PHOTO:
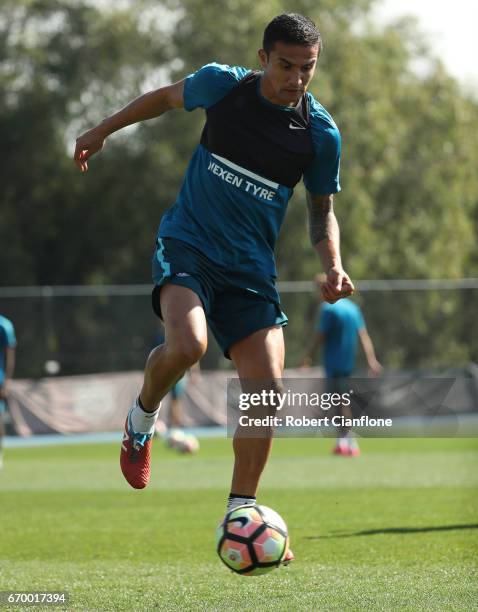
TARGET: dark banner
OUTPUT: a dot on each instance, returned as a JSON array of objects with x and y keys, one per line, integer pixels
[{"x": 444, "y": 403}]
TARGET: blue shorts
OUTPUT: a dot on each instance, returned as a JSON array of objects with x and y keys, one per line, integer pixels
[
  {"x": 338, "y": 383},
  {"x": 236, "y": 303}
]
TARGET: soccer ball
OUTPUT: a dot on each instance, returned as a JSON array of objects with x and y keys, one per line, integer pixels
[
  {"x": 252, "y": 540},
  {"x": 182, "y": 442},
  {"x": 190, "y": 444}
]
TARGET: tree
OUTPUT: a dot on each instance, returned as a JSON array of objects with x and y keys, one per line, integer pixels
[{"x": 408, "y": 207}]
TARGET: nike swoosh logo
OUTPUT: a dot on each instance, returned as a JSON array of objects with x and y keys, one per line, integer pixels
[{"x": 296, "y": 126}]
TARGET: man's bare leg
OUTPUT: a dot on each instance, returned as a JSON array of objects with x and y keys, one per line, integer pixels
[
  {"x": 259, "y": 357},
  {"x": 175, "y": 413},
  {"x": 185, "y": 343},
  {"x": 2, "y": 434}
]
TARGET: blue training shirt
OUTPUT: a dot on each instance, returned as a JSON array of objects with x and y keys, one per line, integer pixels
[
  {"x": 340, "y": 323},
  {"x": 7, "y": 340},
  {"x": 232, "y": 201}
]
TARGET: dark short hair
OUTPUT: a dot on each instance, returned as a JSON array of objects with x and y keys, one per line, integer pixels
[{"x": 291, "y": 29}]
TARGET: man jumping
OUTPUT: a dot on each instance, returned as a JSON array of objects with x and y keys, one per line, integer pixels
[{"x": 214, "y": 261}]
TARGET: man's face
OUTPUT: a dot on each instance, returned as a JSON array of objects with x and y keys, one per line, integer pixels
[{"x": 288, "y": 70}]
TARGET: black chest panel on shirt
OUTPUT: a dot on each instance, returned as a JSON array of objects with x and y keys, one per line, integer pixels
[{"x": 269, "y": 141}]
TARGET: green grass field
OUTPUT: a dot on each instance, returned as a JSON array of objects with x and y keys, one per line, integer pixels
[{"x": 396, "y": 529}]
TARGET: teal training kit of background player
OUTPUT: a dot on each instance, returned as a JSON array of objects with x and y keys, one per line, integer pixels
[
  {"x": 236, "y": 189},
  {"x": 7, "y": 340},
  {"x": 340, "y": 323}
]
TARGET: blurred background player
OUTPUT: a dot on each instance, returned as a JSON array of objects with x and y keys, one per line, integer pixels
[
  {"x": 175, "y": 417},
  {"x": 8, "y": 343},
  {"x": 338, "y": 328}
]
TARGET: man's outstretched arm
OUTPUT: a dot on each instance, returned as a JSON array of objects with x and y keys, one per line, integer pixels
[
  {"x": 325, "y": 238},
  {"x": 149, "y": 105}
]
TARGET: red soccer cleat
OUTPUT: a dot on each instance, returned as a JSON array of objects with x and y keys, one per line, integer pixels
[
  {"x": 341, "y": 449},
  {"x": 288, "y": 557},
  {"x": 135, "y": 457},
  {"x": 346, "y": 451}
]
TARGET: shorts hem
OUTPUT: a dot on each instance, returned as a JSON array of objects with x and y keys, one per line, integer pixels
[
  {"x": 175, "y": 280},
  {"x": 250, "y": 332}
]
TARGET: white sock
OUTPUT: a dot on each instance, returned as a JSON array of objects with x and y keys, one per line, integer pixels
[
  {"x": 234, "y": 501},
  {"x": 142, "y": 421}
]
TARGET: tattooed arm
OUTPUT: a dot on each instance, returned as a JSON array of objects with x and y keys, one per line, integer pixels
[{"x": 325, "y": 237}]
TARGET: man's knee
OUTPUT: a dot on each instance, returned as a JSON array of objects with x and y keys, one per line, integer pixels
[
  {"x": 188, "y": 350},
  {"x": 268, "y": 387}
]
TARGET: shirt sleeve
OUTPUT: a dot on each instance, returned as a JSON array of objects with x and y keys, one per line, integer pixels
[
  {"x": 210, "y": 83},
  {"x": 321, "y": 177},
  {"x": 359, "y": 319}
]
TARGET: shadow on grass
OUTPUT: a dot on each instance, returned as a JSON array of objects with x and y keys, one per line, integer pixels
[{"x": 368, "y": 532}]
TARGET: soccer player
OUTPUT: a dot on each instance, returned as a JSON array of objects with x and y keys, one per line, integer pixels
[
  {"x": 339, "y": 327},
  {"x": 8, "y": 343},
  {"x": 214, "y": 261}
]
